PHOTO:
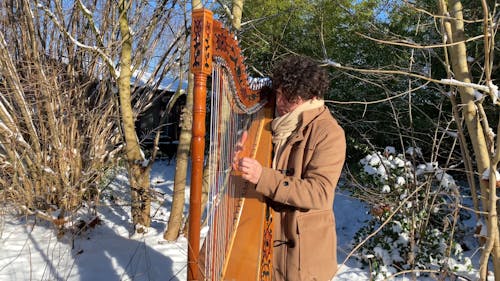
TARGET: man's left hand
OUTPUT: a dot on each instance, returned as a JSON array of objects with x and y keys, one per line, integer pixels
[{"x": 250, "y": 169}]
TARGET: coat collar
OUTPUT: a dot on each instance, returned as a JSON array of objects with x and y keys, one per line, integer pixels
[{"x": 307, "y": 117}]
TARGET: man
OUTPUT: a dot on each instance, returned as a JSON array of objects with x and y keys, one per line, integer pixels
[{"x": 309, "y": 153}]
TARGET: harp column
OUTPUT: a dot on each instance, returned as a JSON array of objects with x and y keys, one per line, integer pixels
[{"x": 201, "y": 67}]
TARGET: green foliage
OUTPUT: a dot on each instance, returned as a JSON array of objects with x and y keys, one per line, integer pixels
[
  {"x": 320, "y": 29},
  {"x": 417, "y": 204},
  {"x": 340, "y": 31}
]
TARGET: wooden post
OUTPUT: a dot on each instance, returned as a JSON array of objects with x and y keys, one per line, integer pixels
[{"x": 201, "y": 67}]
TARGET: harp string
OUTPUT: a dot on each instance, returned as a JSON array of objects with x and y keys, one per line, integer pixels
[{"x": 227, "y": 122}]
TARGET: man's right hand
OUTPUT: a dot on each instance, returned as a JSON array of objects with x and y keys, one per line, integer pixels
[{"x": 237, "y": 151}]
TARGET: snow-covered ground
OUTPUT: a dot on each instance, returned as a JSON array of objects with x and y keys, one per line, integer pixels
[{"x": 32, "y": 251}]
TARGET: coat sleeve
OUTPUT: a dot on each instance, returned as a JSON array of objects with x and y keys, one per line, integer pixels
[{"x": 314, "y": 188}]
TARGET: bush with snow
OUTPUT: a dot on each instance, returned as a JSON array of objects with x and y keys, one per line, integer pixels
[{"x": 415, "y": 215}]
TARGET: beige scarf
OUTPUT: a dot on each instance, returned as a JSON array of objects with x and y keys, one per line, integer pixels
[{"x": 284, "y": 126}]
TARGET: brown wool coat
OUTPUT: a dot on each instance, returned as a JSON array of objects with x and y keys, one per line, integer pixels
[{"x": 301, "y": 192}]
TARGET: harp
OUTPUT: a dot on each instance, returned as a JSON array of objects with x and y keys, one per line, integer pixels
[{"x": 238, "y": 244}]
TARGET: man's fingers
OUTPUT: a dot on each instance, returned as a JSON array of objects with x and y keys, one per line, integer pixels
[
  {"x": 242, "y": 164},
  {"x": 250, "y": 169},
  {"x": 246, "y": 162},
  {"x": 244, "y": 137},
  {"x": 238, "y": 149}
]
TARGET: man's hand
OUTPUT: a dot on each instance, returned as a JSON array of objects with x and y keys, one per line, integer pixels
[
  {"x": 250, "y": 169},
  {"x": 238, "y": 149}
]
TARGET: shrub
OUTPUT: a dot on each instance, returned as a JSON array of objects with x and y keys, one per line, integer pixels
[{"x": 415, "y": 215}]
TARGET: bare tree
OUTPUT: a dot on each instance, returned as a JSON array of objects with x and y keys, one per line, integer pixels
[
  {"x": 483, "y": 143},
  {"x": 57, "y": 121},
  {"x": 174, "y": 227},
  {"x": 116, "y": 49},
  {"x": 182, "y": 159}
]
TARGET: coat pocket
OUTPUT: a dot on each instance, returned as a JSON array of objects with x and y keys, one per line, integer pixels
[{"x": 317, "y": 245}]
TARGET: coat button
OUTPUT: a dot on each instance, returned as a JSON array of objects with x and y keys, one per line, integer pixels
[{"x": 285, "y": 183}]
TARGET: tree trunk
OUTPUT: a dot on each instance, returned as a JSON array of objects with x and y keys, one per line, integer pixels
[
  {"x": 237, "y": 12},
  {"x": 181, "y": 165},
  {"x": 454, "y": 28},
  {"x": 137, "y": 172}
]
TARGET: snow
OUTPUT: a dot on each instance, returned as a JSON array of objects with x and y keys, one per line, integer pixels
[
  {"x": 486, "y": 175},
  {"x": 490, "y": 88},
  {"x": 166, "y": 83},
  {"x": 494, "y": 91},
  {"x": 31, "y": 250},
  {"x": 390, "y": 150}
]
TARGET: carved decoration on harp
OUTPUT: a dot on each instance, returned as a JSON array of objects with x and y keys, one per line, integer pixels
[
  {"x": 226, "y": 48},
  {"x": 247, "y": 254},
  {"x": 201, "y": 41}
]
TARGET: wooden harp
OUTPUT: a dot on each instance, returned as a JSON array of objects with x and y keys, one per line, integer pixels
[{"x": 238, "y": 245}]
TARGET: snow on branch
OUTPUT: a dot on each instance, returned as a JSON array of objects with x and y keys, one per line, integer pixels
[
  {"x": 454, "y": 82},
  {"x": 332, "y": 63},
  {"x": 490, "y": 88},
  {"x": 86, "y": 12},
  {"x": 105, "y": 57}
]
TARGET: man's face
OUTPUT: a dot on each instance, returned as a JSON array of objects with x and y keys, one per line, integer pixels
[{"x": 283, "y": 106}]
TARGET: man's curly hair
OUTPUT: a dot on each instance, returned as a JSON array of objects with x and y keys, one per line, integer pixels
[{"x": 299, "y": 76}]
